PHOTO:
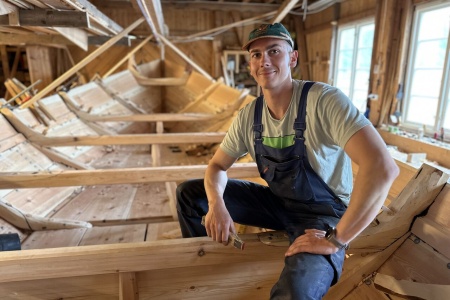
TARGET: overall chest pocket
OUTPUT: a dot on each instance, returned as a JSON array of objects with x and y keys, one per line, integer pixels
[{"x": 287, "y": 179}]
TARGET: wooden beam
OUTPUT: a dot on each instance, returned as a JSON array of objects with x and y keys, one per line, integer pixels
[
  {"x": 394, "y": 222},
  {"x": 128, "y": 289},
  {"x": 48, "y": 18},
  {"x": 133, "y": 257},
  {"x": 126, "y": 57},
  {"x": 284, "y": 9},
  {"x": 357, "y": 267},
  {"x": 13, "y": 180},
  {"x": 95, "y": 14},
  {"x": 81, "y": 64},
  {"x": 33, "y": 39},
  {"x": 187, "y": 59},
  {"x": 253, "y": 8},
  {"x": 77, "y": 36},
  {"x": 434, "y": 152},
  {"x": 410, "y": 289},
  {"x": 100, "y": 40},
  {"x": 128, "y": 139}
]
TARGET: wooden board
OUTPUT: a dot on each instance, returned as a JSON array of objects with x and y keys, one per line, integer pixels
[
  {"x": 114, "y": 235},
  {"x": 54, "y": 239},
  {"x": 100, "y": 204},
  {"x": 416, "y": 261}
]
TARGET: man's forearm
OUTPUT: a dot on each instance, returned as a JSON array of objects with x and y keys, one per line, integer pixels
[{"x": 369, "y": 194}]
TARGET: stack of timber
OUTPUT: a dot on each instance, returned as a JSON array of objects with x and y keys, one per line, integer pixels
[{"x": 95, "y": 169}]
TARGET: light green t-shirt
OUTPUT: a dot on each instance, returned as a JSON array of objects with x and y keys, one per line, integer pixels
[{"x": 331, "y": 119}]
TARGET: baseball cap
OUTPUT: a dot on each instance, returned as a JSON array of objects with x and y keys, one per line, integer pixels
[{"x": 276, "y": 31}]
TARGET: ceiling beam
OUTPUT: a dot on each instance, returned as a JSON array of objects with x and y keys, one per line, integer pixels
[
  {"x": 257, "y": 8},
  {"x": 284, "y": 9},
  {"x": 33, "y": 39},
  {"x": 152, "y": 12},
  {"x": 46, "y": 17},
  {"x": 94, "y": 13}
]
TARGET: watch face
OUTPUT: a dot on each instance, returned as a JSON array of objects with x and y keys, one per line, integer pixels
[{"x": 329, "y": 232}]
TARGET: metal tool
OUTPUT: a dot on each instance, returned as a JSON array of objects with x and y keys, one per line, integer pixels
[{"x": 232, "y": 238}]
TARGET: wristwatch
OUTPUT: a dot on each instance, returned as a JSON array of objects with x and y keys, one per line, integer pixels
[{"x": 330, "y": 235}]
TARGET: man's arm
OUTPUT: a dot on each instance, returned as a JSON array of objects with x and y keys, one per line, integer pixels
[
  {"x": 218, "y": 222},
  {"x": 376, "y": 173}
]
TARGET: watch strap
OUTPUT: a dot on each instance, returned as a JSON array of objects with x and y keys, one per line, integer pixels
[{"x": 331, "y": 236}]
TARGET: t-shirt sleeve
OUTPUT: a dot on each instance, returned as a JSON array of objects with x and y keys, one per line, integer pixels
[
  {"x": 340, "y": 115},
  {"x": 233, "y": 143}
]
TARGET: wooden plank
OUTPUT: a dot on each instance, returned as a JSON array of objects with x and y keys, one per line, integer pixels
[
  {"x": 359, "y": 266},
  {"x": 150, "y": 201},
  {"x": 81, "y": 64},
  {"x": 5, "y": 62},
  {"x": 439, "y": 212},
  {"x": 162, "y": 231},
  {"x": 116, "y": 176},
  {"x": 54, "y": 239},
  {"x": 187, "y": 59},
  {"x": 128, "y": 289},
  {"x": 394, "y": 222},
  {"x": 77, "y": 36},
  {"x": 103, "y": 287},
  {"x": 366, "y": 290},
  {"x": 129, "y": 139},
  {"x": 417, "y": 261},
  {"x": 434, "y": 234},
  {"x": 133, "y": 257},
  {"x": 246, "y": 280},
  {"x": 41, "y": 63},
  {"x": 433, "y": 150},
  {"x": 411, "y": 289},
  {"x": 126, "y": 57},
  {"x": 100, "y": 203},
  {"x": 114, "y": 235},
  {"x": 283, "y": 10},
  {"x": 48, "y": 17}
]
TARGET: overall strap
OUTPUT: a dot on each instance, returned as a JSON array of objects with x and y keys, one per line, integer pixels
[
  {"x": 300, "y": 121},
  {"x": 257, "y": 124}
]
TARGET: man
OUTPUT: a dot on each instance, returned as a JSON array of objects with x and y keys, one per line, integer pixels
[{"x": 303, "y": 136}]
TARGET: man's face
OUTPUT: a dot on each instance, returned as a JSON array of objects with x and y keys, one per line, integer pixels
[{"x": 271, "y": 61}]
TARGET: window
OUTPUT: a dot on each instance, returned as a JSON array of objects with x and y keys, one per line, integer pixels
[
  {"x": 353, "y": 58},
  {"x": 426, "y": 101}
]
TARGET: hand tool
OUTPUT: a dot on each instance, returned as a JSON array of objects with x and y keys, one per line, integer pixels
[{"x": 232, "y": 238}]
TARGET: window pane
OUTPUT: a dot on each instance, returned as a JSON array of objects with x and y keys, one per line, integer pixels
[
  {"x": 360, "y": 100},
  {"x": 353, "y": 64},
  {"x": 364, "y": 58},
  {"x": 347, "y": 39},
  {"x": 366, "y": 36},
  {"x": 431, "y": 54},
  {"x": 422, "y": 110},
  {"x": 434, "y": 24},
  {"x": 426, "y": 83},
  {"x": 343, "y": 82},
  {"x": 345, "y": 60}
]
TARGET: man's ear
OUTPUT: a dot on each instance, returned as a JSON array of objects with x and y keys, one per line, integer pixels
[{"x": 293, "y": 57}]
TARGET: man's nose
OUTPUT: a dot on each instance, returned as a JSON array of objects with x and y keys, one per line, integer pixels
[{"x": 265, "y": 60}]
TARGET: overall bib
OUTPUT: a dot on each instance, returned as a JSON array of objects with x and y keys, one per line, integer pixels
[{"x": 288, "y": 172}]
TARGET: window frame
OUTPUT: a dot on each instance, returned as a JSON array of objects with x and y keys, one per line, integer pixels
[
  {"x": 357, "y": 25},
  {"x": 444, "y": 91}
]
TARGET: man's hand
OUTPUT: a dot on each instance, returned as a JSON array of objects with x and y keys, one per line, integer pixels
[
  {"x": 218, "y": 224},
  {"x": 313, "y": 241}
]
